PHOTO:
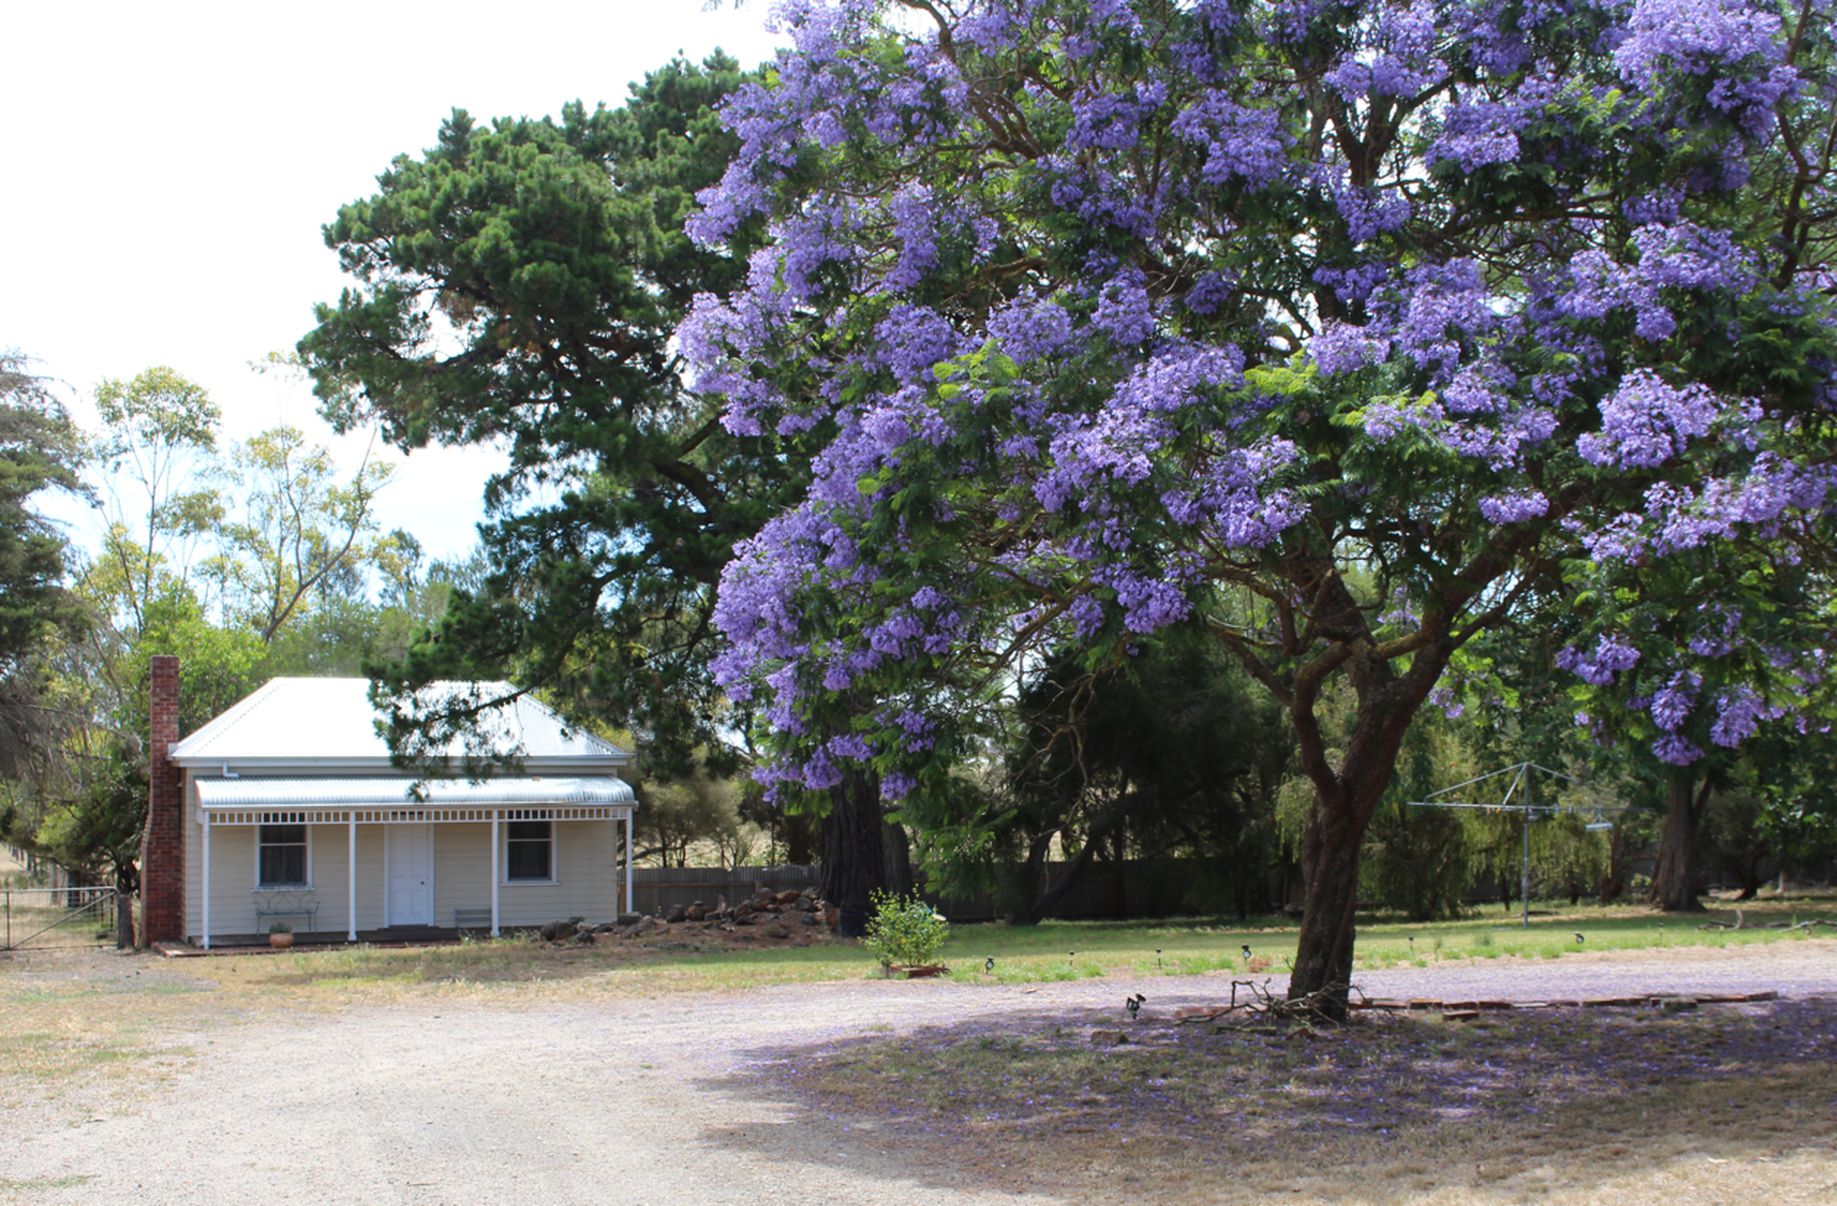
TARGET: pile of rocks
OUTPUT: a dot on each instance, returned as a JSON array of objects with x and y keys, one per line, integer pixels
[{"x": 774, "y": 913}]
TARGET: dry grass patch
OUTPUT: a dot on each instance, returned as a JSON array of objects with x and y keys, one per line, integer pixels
[
  {"x": 70, "y": 1022},
  {"x": 1566, "y": 1104}
]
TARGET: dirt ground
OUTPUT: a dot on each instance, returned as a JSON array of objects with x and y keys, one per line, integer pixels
[{"x": 569, "y": 1097}]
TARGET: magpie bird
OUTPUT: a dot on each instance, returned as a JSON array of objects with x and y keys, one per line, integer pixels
[
  {"x": 1134, "y": 1005},
  {"x": 1579, "y": 939}
]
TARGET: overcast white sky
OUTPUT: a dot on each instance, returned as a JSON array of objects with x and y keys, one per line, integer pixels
[{"x": 169, "y": 167}]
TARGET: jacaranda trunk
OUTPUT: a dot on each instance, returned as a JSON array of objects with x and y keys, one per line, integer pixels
[
  {"x": 1330, "y": 885},
  {"x": 1674, "y": 879},
  {"x": 854, "y": 856}
]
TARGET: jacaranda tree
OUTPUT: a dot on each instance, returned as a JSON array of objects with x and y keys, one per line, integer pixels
[
  {"x": 1339, "y": 329},
  {"x": 1684, "y": 660}
]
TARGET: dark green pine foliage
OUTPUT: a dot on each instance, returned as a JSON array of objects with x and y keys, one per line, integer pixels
[
  {"x": 39, "y": 450},
  {"x": 520, "y": 283},
  {"x": 1171, "y": 750}
]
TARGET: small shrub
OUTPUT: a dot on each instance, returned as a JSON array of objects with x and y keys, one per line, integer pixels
[
  {"x": 905, "y": 931},
  {"x": 280, "y": 927}
]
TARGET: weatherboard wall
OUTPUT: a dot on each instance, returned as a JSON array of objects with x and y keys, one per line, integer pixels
[
  {"x": 235, "y": 899},
  {"x": 586, "y": 883}
]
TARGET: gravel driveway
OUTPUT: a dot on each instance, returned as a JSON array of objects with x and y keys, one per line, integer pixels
[{"x": 631, "y": 1100}]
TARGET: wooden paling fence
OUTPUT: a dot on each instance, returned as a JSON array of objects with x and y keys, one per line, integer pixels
[
  {"x": 658, "y": 889},
  {"x": 1104, "y": 892}
]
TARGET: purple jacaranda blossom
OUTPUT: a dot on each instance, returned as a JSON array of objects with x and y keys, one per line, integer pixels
[
  {"x": 1610, "y": 656},
  {"x": 1075, "y": 312},
  {"x": 1515, "y": 507},
  {"x": 1030, "y": 329},
  {"x": 1124, "y": 312},
  {"x": 1478, "y": 132},
  {"x": 1707, "y": 38},
  {"x": 1739, "y": 711},
  {"x": 1646, "y": 421},
  {"x": 1675, "y": 750},
  {"x": 1672, "y": 703},
  {"x": 1444, "y": 698},
  {"x": 1240, "y": 143}
]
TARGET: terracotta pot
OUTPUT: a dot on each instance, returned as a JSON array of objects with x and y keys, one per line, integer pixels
[{"x": 280, "y": 942}]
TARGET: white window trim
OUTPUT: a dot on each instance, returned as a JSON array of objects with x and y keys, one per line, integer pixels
[
  {"x": 504, "y": 880},
  {"x": 308, "y": 886}
]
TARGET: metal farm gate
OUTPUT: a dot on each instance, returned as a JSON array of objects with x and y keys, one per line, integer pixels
[{"x": 57, "y": 918}]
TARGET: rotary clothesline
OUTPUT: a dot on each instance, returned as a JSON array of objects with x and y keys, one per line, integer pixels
[{"x": 1521, "y": 778}]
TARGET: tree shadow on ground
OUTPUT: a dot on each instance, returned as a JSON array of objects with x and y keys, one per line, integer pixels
[{"x": 1563, "y": 1103}]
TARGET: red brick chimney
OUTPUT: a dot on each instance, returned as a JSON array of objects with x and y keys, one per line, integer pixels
[{"x": 162, "y": 846}]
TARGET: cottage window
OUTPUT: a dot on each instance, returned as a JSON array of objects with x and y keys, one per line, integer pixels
[
  {"x": 281, "y": 859},
  {"x": 529, "y": 850}
]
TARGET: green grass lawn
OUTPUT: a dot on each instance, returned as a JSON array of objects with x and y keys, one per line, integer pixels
[
  {"x": 1051, "y": 951},
  {"x": 1069, "y": 950}
]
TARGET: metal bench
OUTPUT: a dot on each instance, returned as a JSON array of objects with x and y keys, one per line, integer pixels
[
  {"x": 471, "y": 919},
  {"x": 278, "y": 907},
  {"x": 271, "y": 907}
]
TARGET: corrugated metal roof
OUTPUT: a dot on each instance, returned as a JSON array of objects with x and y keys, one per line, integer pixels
[
  {"x": 332, "y": 719},
  {"x": 370, "y": 793}
]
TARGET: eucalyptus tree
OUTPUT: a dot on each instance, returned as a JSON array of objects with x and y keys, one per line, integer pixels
[
  {"x": 301, "y": 522},
  {"x": 156, "y": 457}
]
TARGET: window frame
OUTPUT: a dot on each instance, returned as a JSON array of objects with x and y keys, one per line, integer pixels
[
  {"x": 306, "y": 860},
  {"x": 505, "y": 878}
]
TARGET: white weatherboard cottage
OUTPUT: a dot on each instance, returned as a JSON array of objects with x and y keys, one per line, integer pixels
[{"x": 292, "y": 812}]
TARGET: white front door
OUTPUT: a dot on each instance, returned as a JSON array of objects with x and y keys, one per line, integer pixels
[{"x": 410, "y": 859}]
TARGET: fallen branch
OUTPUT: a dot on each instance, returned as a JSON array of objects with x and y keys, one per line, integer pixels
[{"x": 1260, "y": 1004}]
